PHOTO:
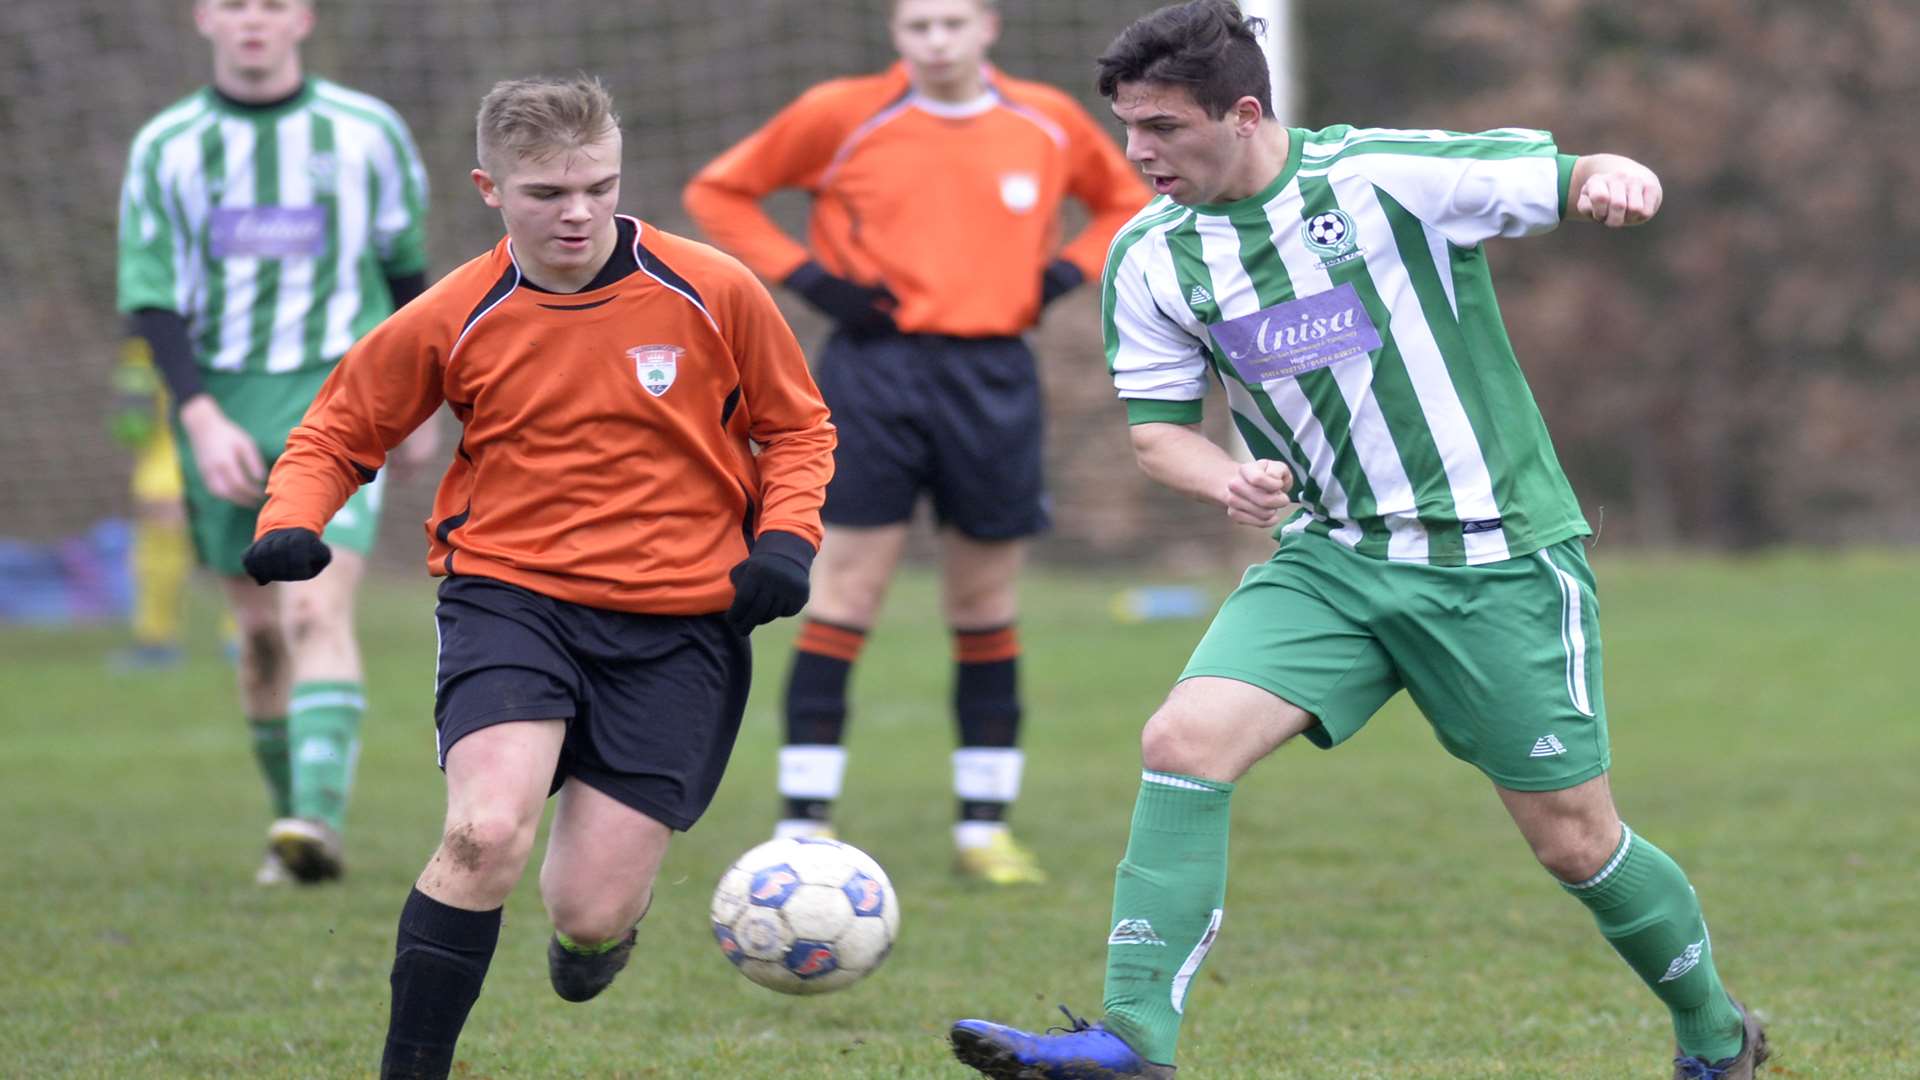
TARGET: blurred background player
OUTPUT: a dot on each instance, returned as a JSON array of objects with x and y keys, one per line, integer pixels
[
  {"x": 1335, "y": 284},
  {"x": 266, "y": 222},
  {"x": 611, "y": 669},
  {"x": 934, "y": 243},
  {"x": 161, "y": 559}
]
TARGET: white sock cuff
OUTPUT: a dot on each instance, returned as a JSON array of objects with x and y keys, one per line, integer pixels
[
  {"x": 987, "y": 774},
  {"x": 976, "y": 834},
  {"x": 812, "y": 772}
]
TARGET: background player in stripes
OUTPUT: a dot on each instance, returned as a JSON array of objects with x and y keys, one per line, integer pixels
[
  {"x": 608, "y": 533},
  {"x": 266, "y": 221},
  {"x": 1334, "y": 282},
  {"x": 934, "y": 243}
]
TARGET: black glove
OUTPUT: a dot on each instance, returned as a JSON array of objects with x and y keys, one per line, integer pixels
[
  {"x": 1058, "y": 279},
  {"x": 858, "y": 309},
  {"x": 287, "y": 555},
  {"x": 771, "y": 582}
]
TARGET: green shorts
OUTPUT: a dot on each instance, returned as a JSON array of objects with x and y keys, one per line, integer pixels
[
  {"x": 268, "y": 407},
  {"x": 1503, "y": 658}
]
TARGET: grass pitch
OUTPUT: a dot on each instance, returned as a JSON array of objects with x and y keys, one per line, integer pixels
[{"x": 1383, "y": 919}]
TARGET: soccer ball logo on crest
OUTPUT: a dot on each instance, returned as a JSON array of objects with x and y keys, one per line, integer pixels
[
  {"x": 1331, "y": 231},
  {"x": 805, "y": 916}
]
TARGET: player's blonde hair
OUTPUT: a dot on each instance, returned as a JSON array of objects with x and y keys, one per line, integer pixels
[{"x": 533, "y": 119}]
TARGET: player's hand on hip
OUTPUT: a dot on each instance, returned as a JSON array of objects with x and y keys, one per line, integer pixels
[
  {"x": 858, "y": 309},
  {"x": 771, "y": 582},
  {"x": 1058, "y": 279},
  {"x": 1620, "y": 197},
  {"x": 230, "y": 463},
  {"x": 287, "y": 555},
  {"x": 1257, "y": 493}
]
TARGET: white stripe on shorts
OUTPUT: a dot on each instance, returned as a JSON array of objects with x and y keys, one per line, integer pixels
[{"x": 1573, "y": 636}]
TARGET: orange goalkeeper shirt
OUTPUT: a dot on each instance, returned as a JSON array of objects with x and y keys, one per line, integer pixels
[
  {"x": 606, "y": 455},
  {"x": 954, "y": 208}
]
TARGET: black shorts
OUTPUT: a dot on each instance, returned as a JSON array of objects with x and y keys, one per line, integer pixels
[
  {"x": 959, "y": 418},
  {"x": 652, "y": 702}
]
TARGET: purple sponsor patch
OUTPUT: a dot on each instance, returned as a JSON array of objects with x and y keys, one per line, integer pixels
[
  {"x": 1297, "y": 336},
  {"x": 268, "y": 232}
]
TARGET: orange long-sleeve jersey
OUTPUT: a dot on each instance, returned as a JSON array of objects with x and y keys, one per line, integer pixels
[
  {"x": 955, "y": 209},
  {"x": 604, "y": 457}
]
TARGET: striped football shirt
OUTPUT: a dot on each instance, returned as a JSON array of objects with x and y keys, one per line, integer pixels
[
  {"x": 1348, "y": 312},
  {"x": 272, "y": 229}
]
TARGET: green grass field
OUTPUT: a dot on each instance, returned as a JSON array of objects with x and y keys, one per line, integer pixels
[{"x": 1384, "y": 919}]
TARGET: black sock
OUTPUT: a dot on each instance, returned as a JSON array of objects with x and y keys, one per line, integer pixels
[
  {"x": 823, "y": 656},
  {"x": 986, "y": 701},
  {"x": 816, "y": 704},
  {"x": 986, "y": 687},
  {"x": 440, "y": 960},
  {"x": 982, "y": 810}
]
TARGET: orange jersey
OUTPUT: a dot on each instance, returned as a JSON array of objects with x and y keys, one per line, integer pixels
[
  {"x": 955, "y": 209},
  {"x": 605, "y": 456}
]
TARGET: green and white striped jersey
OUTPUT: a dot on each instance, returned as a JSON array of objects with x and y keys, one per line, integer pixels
[
  {"x": 1348, "y": 312},
  {"x": 272, "y": 229}
]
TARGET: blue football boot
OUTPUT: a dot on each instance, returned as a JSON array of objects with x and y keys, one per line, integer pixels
[
  {"x": 1081, "y": 1052},
  {"x": 1754, "y": 1052}
]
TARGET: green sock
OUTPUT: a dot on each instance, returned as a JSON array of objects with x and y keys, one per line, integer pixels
[
  {"x": 270, "y": 751},
  {"x": 1168, "y": 896},
  {"x": 324, "y": 733},
  {"x": 591, "y": 949},
  {"x": 1649, "y": 913}
]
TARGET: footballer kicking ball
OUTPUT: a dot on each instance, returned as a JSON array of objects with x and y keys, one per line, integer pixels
[{"x": 805, "y": 916}]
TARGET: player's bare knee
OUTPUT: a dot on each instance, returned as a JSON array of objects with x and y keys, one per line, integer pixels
[
  {"x": 310, "y": 620},
  {"x": 1574, "y": 854},
  {"x": 849, "y": 602},
  {"x": 980, "y": 608},
  {"x": 488, "y": 846},
  {"x": 1168, "y": 743},
  {"x": 262, "y": 656},
  {"x": 594, "y": 920}
]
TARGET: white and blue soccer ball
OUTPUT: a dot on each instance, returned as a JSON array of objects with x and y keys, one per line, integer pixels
[{"x": 805, "y": 916}]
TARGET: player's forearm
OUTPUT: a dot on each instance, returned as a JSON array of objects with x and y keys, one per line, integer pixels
[
  {"x": 794, "y": 470},
  {"x": 172, "y": 348},
  {"x": 309, "y": 484},
  {"x": 1088, "y": 249},
  {"x": 735, "y": 223},
  {"x": 1180, "y": 457}
]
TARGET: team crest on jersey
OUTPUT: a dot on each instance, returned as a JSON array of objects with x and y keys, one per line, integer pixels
[
  {"x": 323, "y": 168},
  {"x": 1020, "y": 191},
  {"x": 1331, "y": 234},
  {"x": 655, "y": 366}
]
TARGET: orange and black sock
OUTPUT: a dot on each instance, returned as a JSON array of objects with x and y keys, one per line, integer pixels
[
  {"x": 812, "y": 762},
  {"x": 986, "y": 709}
]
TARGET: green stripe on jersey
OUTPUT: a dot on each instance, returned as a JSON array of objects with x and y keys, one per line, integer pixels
[
  {"x": 207, "y": 321},
  {"x": 1430, "y": 447},
  {"x": 266, "y": 275},
  {"x": 326, "y": 272}
]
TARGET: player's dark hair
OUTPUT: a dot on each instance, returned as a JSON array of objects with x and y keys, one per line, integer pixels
[{"x": 1207, "y": 46}]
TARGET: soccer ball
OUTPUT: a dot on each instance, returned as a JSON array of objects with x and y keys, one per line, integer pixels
[{"x": 805, "y": 916}]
